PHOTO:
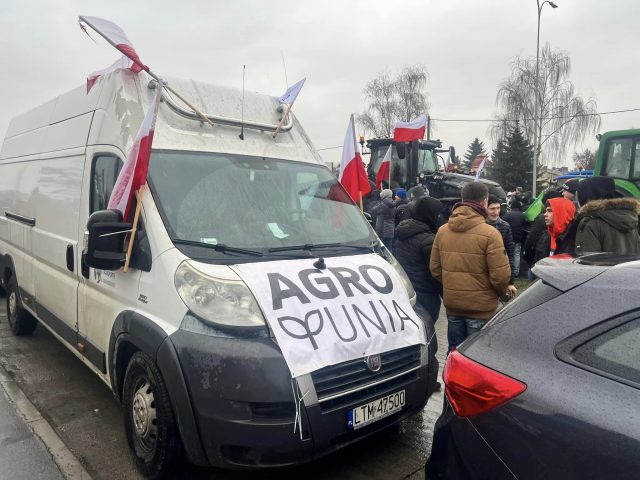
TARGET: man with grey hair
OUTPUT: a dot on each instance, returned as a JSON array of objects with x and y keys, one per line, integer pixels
[{"x": 469, "y": 259}]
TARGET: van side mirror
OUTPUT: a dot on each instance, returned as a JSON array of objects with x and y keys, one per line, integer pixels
[{"x": 105, "y": 245}]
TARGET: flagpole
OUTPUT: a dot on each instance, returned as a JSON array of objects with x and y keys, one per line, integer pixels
[
  {"x": 148, "y": 70},
  {"x": 136, "y": 218},
  {"x": 390, "y": 157}
]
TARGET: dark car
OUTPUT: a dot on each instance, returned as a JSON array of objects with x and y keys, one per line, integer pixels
[{"x": 550, "y": 388}]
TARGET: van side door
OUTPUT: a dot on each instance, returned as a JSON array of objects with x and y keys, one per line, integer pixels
[{"x": 102, "y": 294}]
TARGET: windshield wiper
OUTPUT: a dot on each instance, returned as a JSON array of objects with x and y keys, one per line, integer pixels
[
  {"x": 218, "y": 247},
  {"x": 312, "y": 246}
]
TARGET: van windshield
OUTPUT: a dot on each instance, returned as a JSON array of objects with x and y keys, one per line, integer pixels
[{"x": 259, "y": 205}]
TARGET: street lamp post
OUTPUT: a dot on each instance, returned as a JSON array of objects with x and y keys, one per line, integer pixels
[{"x": 538, "y": 100}]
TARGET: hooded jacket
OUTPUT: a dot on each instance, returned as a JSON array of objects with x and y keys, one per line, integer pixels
[
  {"x": 609, "y": 225},
  {"x": 414, "y": 240},
  {"x": 385, "y": 217},
  {"x": 469, "y": 258},
  {"x": 553, "y": 240}
]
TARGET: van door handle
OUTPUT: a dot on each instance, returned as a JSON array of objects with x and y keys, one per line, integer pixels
[{"x": 70, "y": 262}]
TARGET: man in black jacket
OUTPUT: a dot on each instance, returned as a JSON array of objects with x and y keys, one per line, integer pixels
[
  {"x": 537, "y": 229},
  {"x": 515, "y": 219},
  {"x": 414, "y": 239},
  {"x": 493, "y": 219}
]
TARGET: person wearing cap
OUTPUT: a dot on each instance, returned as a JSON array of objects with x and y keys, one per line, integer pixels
[
  {"x": 558, "y": 214},
  {"x": 493, "y": 219},
  {"x": 606, "y": 223},
  {"x": 569, "y": 189},
  {"x": 468, "y": 258},
  {"x": 384, "y": 213}
]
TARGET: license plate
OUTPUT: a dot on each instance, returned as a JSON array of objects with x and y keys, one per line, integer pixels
[{"x": 377, "y": 410}]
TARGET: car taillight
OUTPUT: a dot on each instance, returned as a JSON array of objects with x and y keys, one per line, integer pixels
[{"x": 473, "y": 388}]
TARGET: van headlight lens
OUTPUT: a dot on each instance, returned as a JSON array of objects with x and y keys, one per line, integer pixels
[
  {"x": 386, "y": 254},
  {"x": 221, "y": 301}
]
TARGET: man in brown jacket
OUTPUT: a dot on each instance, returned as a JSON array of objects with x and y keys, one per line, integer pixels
[{"x": 469, "y": 259}]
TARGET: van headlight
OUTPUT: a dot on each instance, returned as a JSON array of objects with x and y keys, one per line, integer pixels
[
  {"x": 222, "y": 301},
  {"x": 386, "y": 254}
]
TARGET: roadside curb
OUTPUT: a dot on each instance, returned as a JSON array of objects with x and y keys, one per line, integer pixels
[{"x": 66, "y": 462}]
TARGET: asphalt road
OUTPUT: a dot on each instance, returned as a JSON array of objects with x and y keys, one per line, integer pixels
[{"x": 83, "y": 412}]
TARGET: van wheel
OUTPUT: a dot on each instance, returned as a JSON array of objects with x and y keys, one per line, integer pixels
[
  {"x": 20, "y": 321},
  {"x": 148, "y": 418}
]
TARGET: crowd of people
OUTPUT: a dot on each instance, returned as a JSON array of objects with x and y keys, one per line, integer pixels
[{"x": 471, "y": 260}]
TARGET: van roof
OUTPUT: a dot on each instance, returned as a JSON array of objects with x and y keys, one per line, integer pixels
[{"x": 115, "y": 107}]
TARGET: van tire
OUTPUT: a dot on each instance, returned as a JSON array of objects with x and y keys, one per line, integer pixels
[
  {"x": 21, "y": 322},
  {"x": 151, "y": 428}
]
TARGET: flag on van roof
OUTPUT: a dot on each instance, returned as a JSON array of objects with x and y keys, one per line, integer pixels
[
  {"x": 134, "y": 171},
  {"x": 292, "y": 92},
  {"x": 409, "y": 131},
  {"x": 123, "y": 62},
  {"x": 116, "y": 37},
  {"x": 352, "y": 174}
]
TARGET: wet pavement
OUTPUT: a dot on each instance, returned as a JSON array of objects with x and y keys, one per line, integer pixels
[{"x": 83, "y": 412}]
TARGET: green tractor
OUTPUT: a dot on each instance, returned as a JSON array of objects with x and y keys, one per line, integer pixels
[{"x": 618, "y": 157}]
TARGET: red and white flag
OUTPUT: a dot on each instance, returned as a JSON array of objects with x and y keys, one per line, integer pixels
[
  {"x": 352, "y": 174},
  {"x": 384, "y": 173},
  {"x": 409, "y": 131},
  {"x": 120, "y": 64},
  {"x": 116, "y": 37},
  {"x": 134, "y": 172}
]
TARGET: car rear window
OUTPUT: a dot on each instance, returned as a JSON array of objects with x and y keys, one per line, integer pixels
[{"x": 537, "y": 294}]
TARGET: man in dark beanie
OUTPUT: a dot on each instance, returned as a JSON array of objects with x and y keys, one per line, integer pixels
[
  {"x": 569, "y": 189},
  {"x": 414, "y": 239},
  {"x": 606, "y": 223},
  {"x": 468, "y": 257}
]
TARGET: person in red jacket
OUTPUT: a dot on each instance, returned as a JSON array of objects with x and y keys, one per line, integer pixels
[{"x": 558, "y": 214}]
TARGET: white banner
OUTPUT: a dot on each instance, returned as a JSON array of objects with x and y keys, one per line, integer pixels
[{"x": 355, "y": 307}]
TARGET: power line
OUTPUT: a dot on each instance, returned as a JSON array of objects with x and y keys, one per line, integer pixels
[
  {"x": 328, "y": 148},
  {"x": 532, "y": 119}
]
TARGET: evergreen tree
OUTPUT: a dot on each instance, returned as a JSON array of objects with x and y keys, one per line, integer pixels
[
  {"x": 513, "y": 161},
  {"x": 475, "y": 148}
]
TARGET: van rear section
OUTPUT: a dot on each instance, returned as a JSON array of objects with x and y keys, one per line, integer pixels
[{"x": 261, "y": 321}]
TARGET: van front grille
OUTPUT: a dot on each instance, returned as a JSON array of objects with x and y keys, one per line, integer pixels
[{"x": 348, "y": 382}]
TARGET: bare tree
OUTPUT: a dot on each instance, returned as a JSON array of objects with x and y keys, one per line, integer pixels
[
  {"x": 585, "y": 160},
  {"x": 394, "y": 99},
  {"x": 547, "y": 107}
]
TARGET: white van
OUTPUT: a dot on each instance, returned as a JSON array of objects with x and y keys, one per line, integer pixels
[{"x": 261, "y": 323}]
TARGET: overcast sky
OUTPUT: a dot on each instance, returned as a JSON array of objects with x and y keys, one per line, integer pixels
[{"x": 466, "y": 46}]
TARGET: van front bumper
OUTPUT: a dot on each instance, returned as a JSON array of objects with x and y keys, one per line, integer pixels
[{"x": 242, "y": 399}]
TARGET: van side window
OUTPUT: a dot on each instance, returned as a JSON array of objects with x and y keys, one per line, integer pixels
[{"x": 104, "y": 173}]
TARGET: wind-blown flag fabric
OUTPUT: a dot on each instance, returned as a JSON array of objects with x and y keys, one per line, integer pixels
[
  {"x": 134, "y": 172},
  {"x": 123, "y": 62},
  {"x": 292, "y": 92},
  {"x": 352, "y": 174},
  {"x": 385, "y": 168},
  {"x": 409, "y": 131},
  {"x": 114, "y": 34}
]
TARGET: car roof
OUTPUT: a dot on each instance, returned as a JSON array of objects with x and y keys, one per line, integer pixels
[{"x": 565, "y": 272}]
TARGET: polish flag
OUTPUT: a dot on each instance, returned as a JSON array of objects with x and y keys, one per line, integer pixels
[
  {"x": 116, "y": 37},
  {"x": 120, "y": 64},
  {"x": 134, "y": 172},
  {"x": 409, "y": 131},
  {"x": 352, "y": 174},
  {"x": 385, "y": 169}
]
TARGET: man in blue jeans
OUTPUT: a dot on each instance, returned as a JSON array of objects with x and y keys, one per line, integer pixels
[{"x": 469, "y": 259}]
